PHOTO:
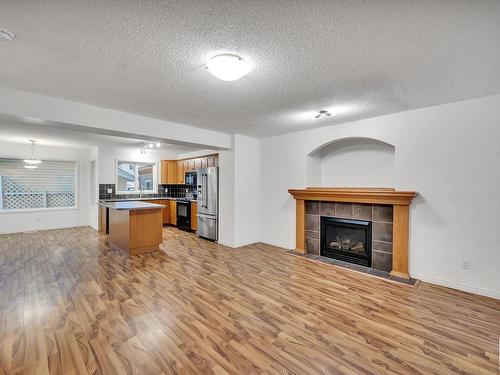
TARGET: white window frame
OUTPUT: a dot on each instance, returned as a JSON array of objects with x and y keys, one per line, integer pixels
[
  {"x": 137, "y": 192},
  {"x": 49, "y": 209}
]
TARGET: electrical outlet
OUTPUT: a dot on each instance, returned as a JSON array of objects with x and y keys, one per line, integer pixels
[
  {"x": 110, "y": 191},
  {"x": 466, "y": 264}
]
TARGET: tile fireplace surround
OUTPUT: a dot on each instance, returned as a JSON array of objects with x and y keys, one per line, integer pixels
[{"x": 388, "y": 210}]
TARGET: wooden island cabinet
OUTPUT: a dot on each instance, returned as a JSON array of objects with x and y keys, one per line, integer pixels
[{"x": 134, "y": 226}]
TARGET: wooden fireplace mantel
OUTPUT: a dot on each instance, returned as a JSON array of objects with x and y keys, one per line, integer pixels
[{"x": 400, "y": 200}]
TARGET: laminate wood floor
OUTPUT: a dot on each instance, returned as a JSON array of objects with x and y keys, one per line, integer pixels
[{"x": 70, "y": 304}]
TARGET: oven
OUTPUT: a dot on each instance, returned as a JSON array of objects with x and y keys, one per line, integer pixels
[{"x": 184, "y": 215}]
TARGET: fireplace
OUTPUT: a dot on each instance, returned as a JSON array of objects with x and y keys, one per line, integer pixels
[{"x": 346, "y": 239}]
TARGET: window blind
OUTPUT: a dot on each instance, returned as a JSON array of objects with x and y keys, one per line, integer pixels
[{"x": 51, "y": 185}]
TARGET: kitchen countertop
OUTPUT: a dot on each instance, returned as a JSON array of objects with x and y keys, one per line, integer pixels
[
  {"x": 130, "y": 205},
  {"x": 143, "y": 199}
]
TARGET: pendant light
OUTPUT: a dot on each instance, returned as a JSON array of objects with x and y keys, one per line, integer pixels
[{"x": 32, "y": 160}]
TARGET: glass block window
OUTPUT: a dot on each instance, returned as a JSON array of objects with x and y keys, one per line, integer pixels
[{"x": 50, "y": 185}]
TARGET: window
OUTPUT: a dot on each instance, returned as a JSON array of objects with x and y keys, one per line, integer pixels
[
  {"x": 132, "y": 177},
  {"x": 51, "y": 185}
]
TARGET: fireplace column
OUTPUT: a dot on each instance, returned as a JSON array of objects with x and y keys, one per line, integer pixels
[
  {"x": 300, "y": 226},
  {"x": 400, "y": 239}
]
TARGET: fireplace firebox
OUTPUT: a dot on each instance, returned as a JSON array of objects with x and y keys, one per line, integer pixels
[{"x": 346, "y": 239}]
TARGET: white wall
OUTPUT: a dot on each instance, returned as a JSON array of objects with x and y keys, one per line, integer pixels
[
  {"x": 449, "y": 154},
  {"x": 94, "y": 188},
  {"x": 373, "y": 161},
  {"x": 226, "y": 198},
  {"x": 247, "y": 189},
  {"x": 11, "y": 222},
  {"x": 239, "y": 181}
]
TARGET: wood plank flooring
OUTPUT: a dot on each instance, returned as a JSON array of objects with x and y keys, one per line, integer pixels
[{"x": 70, "y": 304}]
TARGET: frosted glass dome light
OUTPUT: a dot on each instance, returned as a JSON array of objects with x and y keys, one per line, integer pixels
[{"x": 228, "y": 67}]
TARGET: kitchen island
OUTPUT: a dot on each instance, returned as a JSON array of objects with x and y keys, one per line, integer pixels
[{"x": 134, "y": 226}]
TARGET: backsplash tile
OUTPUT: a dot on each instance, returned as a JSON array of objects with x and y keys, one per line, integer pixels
[{"x": 167, "y": 191}]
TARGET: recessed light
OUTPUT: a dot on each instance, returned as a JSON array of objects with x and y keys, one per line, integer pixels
[
  {"x": 228, "y": 67},
  {"x": 322, "y": 113},
  {"x": 158, "y": 144},
  {"x": 6, "y": 35}
]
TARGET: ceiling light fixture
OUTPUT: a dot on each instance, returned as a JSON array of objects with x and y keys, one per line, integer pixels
[
  {"x": 228, "y": 67},
  {"x": 322, "y": 113},
  {"x": 6, "y": 35},
  {"x": 32, "y": 155},
  {"x": 158, "y": 144},
  {"x": 29, "y": 166}
]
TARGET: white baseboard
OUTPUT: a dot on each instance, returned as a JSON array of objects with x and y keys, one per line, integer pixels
[
  {"x": 226, "y": 244},
  {"x": 459, "y": 286},
  {"x": 278, "y": 245},
  {"x": 36, "y": 229}
]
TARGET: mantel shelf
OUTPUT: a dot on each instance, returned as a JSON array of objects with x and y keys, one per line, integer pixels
[{"x": 355, "y": 195}]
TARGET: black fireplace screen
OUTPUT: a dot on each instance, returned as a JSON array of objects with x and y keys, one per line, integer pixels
[{"x": 347, "y": 240}]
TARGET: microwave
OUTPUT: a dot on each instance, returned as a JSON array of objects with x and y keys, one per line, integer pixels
[{"x": 190, "y": 178}]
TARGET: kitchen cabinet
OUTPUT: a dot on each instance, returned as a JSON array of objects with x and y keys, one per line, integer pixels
[
  {"x": 173, "y": 212},
  {"x": 168, "y": 172},
  {"x": 180, "y": 172},
  {"x": 194, "y": 216},
  {"x": 172, "y": 171},
  {"x": 164, "y": 209},
  {"x": 166, "y": 212},
  {"x": 211, "y": 161},
  {"x": 103, "y": 220},
  {"x": 169, "y": 212}
]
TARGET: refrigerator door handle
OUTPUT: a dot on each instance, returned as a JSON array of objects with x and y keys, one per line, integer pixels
[{"x": 206, "y": 190}]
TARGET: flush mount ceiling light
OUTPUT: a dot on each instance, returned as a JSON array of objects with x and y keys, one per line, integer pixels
[
  {"x": 6, "y": 35},
  {"x": 228, "y": 67},
  {"x": 32, "y": 158},
  {"x": 322, "y": 113}
]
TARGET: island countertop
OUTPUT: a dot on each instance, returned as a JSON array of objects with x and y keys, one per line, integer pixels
[{"x": 131, "y": 205}]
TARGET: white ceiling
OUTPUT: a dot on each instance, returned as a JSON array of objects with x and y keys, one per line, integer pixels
[
  {"x": 48, "y": 134},
  {"x": 356, "y": 58}
]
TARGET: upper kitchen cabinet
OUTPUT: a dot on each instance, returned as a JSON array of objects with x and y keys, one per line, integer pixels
[
  {"x": 180, "y": 172},
  {"x": 168, "y": 172},
  {"x": 212, "y": 161},
  {"x": 172, "y": 171}
]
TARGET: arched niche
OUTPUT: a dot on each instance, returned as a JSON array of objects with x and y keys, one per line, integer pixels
[{"x": 352, "y": 162}]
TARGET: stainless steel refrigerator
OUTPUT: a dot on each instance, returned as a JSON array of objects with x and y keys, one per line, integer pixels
[{"x": 208, "y": 202}]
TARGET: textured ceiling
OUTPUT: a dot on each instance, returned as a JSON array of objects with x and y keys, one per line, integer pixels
[{"x": 357, "y": 58}]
